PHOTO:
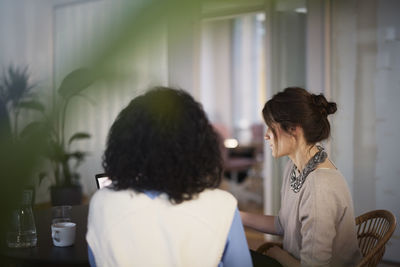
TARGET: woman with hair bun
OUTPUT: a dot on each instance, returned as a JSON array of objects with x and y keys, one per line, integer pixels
[{"x": 316, "y": 219}]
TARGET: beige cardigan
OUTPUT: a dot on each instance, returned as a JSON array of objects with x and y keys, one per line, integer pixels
[{"x": 317, "y": 223}]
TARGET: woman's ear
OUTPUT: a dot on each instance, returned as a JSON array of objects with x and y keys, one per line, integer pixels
[
  {"x": 296, "y": 131},
  {"x": 292, "y": 130},
  {"x": 300, "y": 132}
]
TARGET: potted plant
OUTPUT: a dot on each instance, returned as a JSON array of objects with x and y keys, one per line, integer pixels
[
  {"x": 65, "y": 188},
  {"x": 16, "y": 95}
]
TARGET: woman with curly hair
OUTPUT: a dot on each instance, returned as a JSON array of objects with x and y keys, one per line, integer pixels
[
  {"x": 163, "y": 207},
  {"x": 316, "y": 218}
]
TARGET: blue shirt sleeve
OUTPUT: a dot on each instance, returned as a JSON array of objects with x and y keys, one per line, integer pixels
[
  {"x": 236, "y": 253},
  {"x": 91, "y": 257}
]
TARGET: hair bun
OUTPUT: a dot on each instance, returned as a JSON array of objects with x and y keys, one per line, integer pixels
[
  {"x": 323, "y": 105},
  {"x": 331, "y": 108}
]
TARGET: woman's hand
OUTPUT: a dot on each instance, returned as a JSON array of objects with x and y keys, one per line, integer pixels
[
  {"x": 275, "y": 252},
  {"x": 282, "y": 256}
]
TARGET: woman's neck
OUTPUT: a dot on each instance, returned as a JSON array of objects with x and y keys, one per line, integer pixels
[{"x": 302, "y": 155}]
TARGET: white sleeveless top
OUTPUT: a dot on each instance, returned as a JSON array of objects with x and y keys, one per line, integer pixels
[{"x": 126, "y": 228}]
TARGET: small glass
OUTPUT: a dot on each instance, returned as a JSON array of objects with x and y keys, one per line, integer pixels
[{"x": 61, "y": 214}]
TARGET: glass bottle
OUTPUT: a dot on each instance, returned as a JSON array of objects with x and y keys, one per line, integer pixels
[{"x": 22, "y": 231}]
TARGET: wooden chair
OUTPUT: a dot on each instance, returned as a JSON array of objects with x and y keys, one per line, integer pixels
[{"x": 374, "y": 230}]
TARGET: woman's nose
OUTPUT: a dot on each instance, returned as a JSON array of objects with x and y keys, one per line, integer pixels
[{"x": 266, "y": 137}]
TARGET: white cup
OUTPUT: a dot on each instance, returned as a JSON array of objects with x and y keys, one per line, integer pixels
[{"x": 63, "y": 234}]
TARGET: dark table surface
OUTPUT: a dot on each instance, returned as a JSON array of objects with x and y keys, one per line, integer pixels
[{"x": 45, "y": 254}]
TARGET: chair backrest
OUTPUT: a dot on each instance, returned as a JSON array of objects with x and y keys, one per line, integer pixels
[{"x": 374, "y": 229}]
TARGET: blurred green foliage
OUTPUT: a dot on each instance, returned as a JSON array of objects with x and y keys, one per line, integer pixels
[{"x": 19, "y": 157}]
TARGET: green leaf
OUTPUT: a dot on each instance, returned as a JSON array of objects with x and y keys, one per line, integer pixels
[
  {"x": 33, "y": 128},
  {"x": 56, "y": 152},
  {"x": 78, "y": 155},
  {"x": 75, "y": 82},
  {"x": 78, "y": 136},
  {"x": 32, "y": 104}
]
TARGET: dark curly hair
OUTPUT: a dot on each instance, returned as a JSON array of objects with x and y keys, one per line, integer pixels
[
  {"x": 297, "y": 107},
  {"x": 163, "y": 141}
]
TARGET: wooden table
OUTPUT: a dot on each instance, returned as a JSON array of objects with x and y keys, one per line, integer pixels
[{"x": 45, "y": 254}]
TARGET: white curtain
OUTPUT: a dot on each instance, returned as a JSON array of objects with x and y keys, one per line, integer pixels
[
  {"x": 366, "y": 87},
  {"x": 80, "y": 31}
]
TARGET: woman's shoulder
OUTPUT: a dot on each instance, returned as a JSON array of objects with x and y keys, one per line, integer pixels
[
  {"x": 108, "y": 197},
  {"x": 328, "y": 174},
  {"x": 216, "y": 196},
  {"x": 329, "y": 181},
  {"x": 211, "y": 205}
]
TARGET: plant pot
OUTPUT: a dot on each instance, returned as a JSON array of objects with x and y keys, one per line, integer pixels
[{"x": 66, "y": 195}]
